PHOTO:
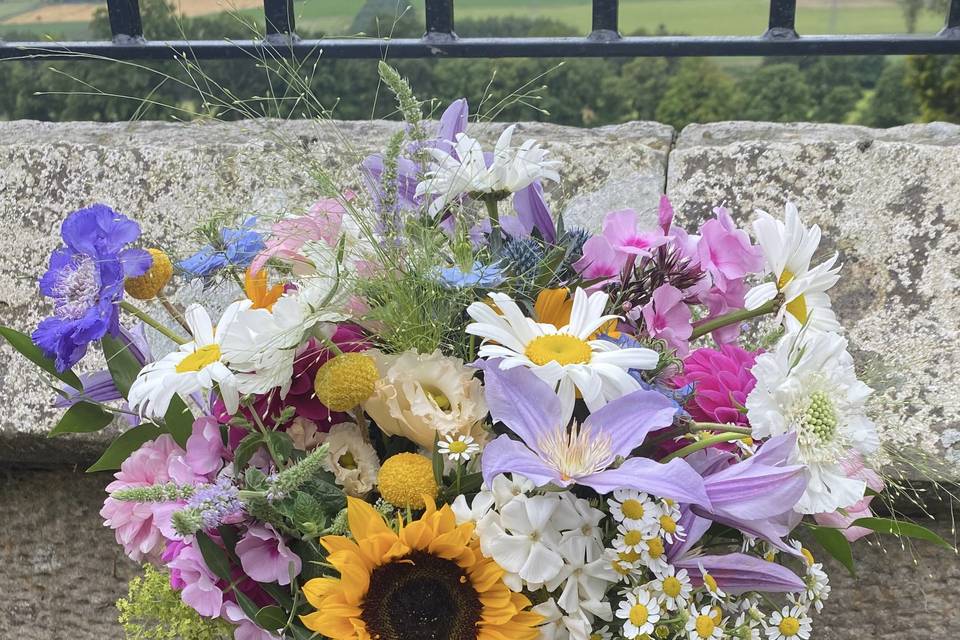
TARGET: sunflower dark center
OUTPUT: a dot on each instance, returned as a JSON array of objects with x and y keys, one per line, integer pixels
[{"x": 421, "y": 597}]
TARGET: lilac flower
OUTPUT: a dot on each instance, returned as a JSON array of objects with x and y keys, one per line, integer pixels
[
  {"x": 550, "y": 453},
  {"x": 237, "y": 247},
  {"x": 217, "y": 504},
  {"x": 480, "y": 275},
  {"x": 85, "y": 280},
  {"x": 265, "y": 557}
]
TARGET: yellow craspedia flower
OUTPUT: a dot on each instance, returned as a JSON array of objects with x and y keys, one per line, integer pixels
[
  {"x": 147, "y": 286},
  {"x": 345, "y": 381},
  {"x": 405, "y": 479}
]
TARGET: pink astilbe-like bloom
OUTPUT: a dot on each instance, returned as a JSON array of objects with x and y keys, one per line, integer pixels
[
  {"x": 265, "y": 557},
  {"x": 667, "y": 317},
  {"x": 722, "y": 382},
  {"x": 854, "y": 467}
]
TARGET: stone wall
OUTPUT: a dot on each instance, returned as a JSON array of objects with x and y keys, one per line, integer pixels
[{"x": 887, "y": 200}]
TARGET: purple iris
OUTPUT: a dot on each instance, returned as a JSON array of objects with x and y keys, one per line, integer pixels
[
  {"x": 85, "y": 280},
  {"x": 550, "y": 452},
  {"x": 237, "y": 247}
]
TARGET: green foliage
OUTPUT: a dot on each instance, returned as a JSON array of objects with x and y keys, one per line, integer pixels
[
  {"x": 834, "y": 543},
  {"x": 24, "y": 345},
  {"x": 125, "y": 444},
  {"x": 936, "y": 82},
  {"x": 699, "y": 92},
  {"x": 777, "y": 93},
  {"x": 152, "y": 610},
  {"x": 893, "y": 102}
]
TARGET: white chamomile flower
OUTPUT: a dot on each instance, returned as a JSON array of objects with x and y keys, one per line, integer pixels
[
  {"x": 710, "y": 585},
  {"x": 790, "y": 623},
  {"x": 629, "y": 540},
  {"x": 818, "y": 586},
  {"x": 808, "y": 385},
  {"x": 633, "y": 509},
  {"x": 788, "y": 248},
  {"x": 672, "y": 588},
  {"x": 668, "y": 522},
  {"x": 195, "y": 367},
  {"x": 705, "y": 623},
  {"x": 459, "y": 448},
  {"x": 625, "y": 564},
  {"x": 653, "y": 555},
  {"x": 567, "y": 358},
  {"x": 640, "y": 612},
  {"x": 603, "y": 633},
  {"x": 746, "y": 627}
]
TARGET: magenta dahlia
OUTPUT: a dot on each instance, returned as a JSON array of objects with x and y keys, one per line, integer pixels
[{"x": 722, "y": 381}]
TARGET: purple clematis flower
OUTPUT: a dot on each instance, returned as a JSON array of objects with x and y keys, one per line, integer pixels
[
  {"x": 739, "y": 573},
  {"x": 85, "y": 281},
  {"x": 533, "y": 212},
  {"x": 549, "y": 452}
]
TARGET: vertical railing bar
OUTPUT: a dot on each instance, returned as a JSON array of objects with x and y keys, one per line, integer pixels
[
  {"x": 439, "y": 20},
  {"x": 125, "y": 22},
  {"x": 952, "y": 27},
  {"x": 606, "y": 20},
  {"x": 280, "y": 21},
  {"x": 783, "y": 19}
]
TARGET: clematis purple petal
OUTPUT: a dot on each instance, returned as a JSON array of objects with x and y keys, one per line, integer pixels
[
  {"x": 675, "y": 480},
  {"x": 531, "y": 205},
  {"x": 98, "y": 387},
  {"x": 454, "y": 120},
  {"x": 738, "y": 573},
  {"x": 504, "y": 455},
  {"x": 520, "y": 400},
  {"x": 695, "y": 528},
  {"x": 628, "y": 419}
]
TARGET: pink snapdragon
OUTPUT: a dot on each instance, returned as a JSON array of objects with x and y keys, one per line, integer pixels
[
  {"x": 265, "y": 557},
  {"x": 667, "y": 316}
]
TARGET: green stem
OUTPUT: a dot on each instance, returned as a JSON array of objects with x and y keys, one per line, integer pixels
[
  {"x": 147, "y": 319},
  {"x": 173, "y": 311},
  {"x": 702, "y": 444},
  {"x": 493, "y": 211},
  {"x": 734, "y": 317},
  {"x": 717, "y": 426},
  {"x": 266, "y": 438}
]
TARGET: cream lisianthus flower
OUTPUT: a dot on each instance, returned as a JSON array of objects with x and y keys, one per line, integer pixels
[
  {"x": 421, "y": 397},
  {"x": 352, "y": 461}
]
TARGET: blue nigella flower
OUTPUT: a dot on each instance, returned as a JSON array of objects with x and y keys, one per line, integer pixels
[
  {"x": 480, "y": 275},
  {"x": 238, "y": 247},
  {"x": 85, "y": 280}
]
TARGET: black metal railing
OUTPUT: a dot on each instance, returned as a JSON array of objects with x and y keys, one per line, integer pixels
[{"x": 441, "y": 41}]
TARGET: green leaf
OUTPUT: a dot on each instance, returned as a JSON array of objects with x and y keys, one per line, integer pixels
[
  {"x": 282, "y": 443},
  {"x": 300, "y": 633},
  {"x": 328, "y": 495},
  {"x": 245, "y": 450},
  {"x": 125, "y": 444},
  {"x": 437, "y": 461},
  {"x": 279, "y": 595},
  {"x": 121, "y": 363},
  {"x": 834, "y": 543},
  {"x": 178, "y": 420},
  {"x": 271, "y": 618},
  {"x": 903, "y": 529},
  {"x": 24, "y": 345},
  {"x": 214, "y": 557},
  {"x": 82, "y": 417}
]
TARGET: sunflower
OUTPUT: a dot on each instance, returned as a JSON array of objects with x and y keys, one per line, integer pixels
[{"x": 427, "y": 582}]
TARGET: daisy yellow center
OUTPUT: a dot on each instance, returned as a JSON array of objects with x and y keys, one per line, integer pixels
[
  {"x": 458, "y": 446},
  {"x": 561, "y": 348},
  {"x": 202, "y": 357},
  {"x": 576, "y": 452},
  {"x": 596, "y": 636},
  {"x": 710, "y": 582},
  {"x": 639, "y": 614},
  {"x": 632, "y": 509},
  {"x": 798, "y": 306},
  {"x": 672, "y": 587},
  {"x": 655, "y": 548},
  {"x": 807, "y": 555},
  {"x": 789, "y": 626},
  {"x": 717, "y": 615},
  {"x": 667, "y": 524},
  {"x": 632, "y": 538},
  {"x": 629, "y": 556},
  {"x": 704, "y": 626}
]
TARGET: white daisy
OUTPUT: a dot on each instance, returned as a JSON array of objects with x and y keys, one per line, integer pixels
[
  {"x": 818, "y": 587},
  {"x": 710, "y": 585},
  {"x": 746, "y": 627},
  {"x": 790, "y": 623},
  {"x": 640, "y": 612},
  {"x": 788, "y": 248},
  {"x": 808, "y": 385},
  {"x": 667, "y": 523},
  {"x": 629, "y": 540},
  {"x": 465, "y": 170},
  {"x": 624, "y": 563},
  {"x": 633, "y": 509},
  {"x": 195, "y": 367},
  {"x": 704, "y": 623},
  {"x": 603, "y": 633},
  {"x": 653, "y": 555},
  {"x": 672, "y": 588},
  {"x": 461, "y": 448},
  {"x": 567, "y": 358}
]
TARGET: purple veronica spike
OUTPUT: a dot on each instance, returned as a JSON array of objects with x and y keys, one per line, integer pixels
[
  {"x": 550, "y": 452},
  {"x": 738, "y": 573}
]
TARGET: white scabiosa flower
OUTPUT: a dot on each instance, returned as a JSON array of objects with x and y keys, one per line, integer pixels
[
  {"x": 790, "y": 623},
  {"x": 196, "y": 367},
  {"x": 808, "y": 385},
  {"x": 352, "y": 461},
  {"x": 640, "y": 612},
  {"x": 569, "y": 358},
  {"x": 788, "y": 247}
]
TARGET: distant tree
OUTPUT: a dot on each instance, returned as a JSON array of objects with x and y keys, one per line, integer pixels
[
  {"x": 636, "y": 92},
  {"x": 699, "y": 92},
  {"x": 776, "y": 93},
  {"x": 893, "y": 101},
  {"x": 936, "y": 82},
  {"x": 913, "y": 8},
  {"x": 837, "y": 105},
  {"x": 395, "y": 18}
]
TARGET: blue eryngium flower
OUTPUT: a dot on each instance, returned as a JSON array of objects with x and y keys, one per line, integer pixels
[
  {"x": 479, "y": 275},
  {"x": 237, "y": 247},
  {"x": 85, "y": 280}
]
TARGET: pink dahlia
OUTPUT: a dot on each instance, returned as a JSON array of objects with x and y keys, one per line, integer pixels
[{"x": 722, "y": 381}]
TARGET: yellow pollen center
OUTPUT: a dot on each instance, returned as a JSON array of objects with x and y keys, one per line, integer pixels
[
  {"x": 705, "y": 626},
  {"x": 655, "y": 548},
  {"x": 347, "y": 461},
  {"x": 561, "y": 348},
  {"x": 632, "y": 538},
  {"x": 639, "y": 615},
  {"x": 807, "y": 556},
  {"x": 667, "y": 524},
  {"x": 789, "y": 626},
  {"x": 458, "y": 446},
  {"x": 595, "y": 636},
  {"x": 202, "y": 357},
  {"x": 439, "y": 399},
  {"x": 717, "y": 615},
  {"x": 710, "y": 582},
  {"x": 672, "y": 586},
  {"x": 629, "y": 556},
  {"x": 632, "y": 509}
]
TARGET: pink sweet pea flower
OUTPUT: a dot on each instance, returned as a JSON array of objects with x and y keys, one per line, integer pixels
[
  {"x": 265, "y": 557},
  {"x": 854, "y": 467},
  {"x": 205, "y": 450},
  {"x": 200, "y": 591},
  {"x": 620, "y": 230},
  {"x": 666, "y": 316}
]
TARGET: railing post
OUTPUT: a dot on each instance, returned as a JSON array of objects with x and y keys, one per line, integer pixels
[
  {"x": 439, "y": 18},
  {"x": 280, "y": 22},
  {"x": 952, "y": 28},
  {"x": 783, "y": 20},
  {"x": 605, "y": 20},
  {"x": 125, "y": 23}
]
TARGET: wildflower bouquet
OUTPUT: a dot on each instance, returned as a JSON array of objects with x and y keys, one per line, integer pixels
[{"x": 431, "y": 411}]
